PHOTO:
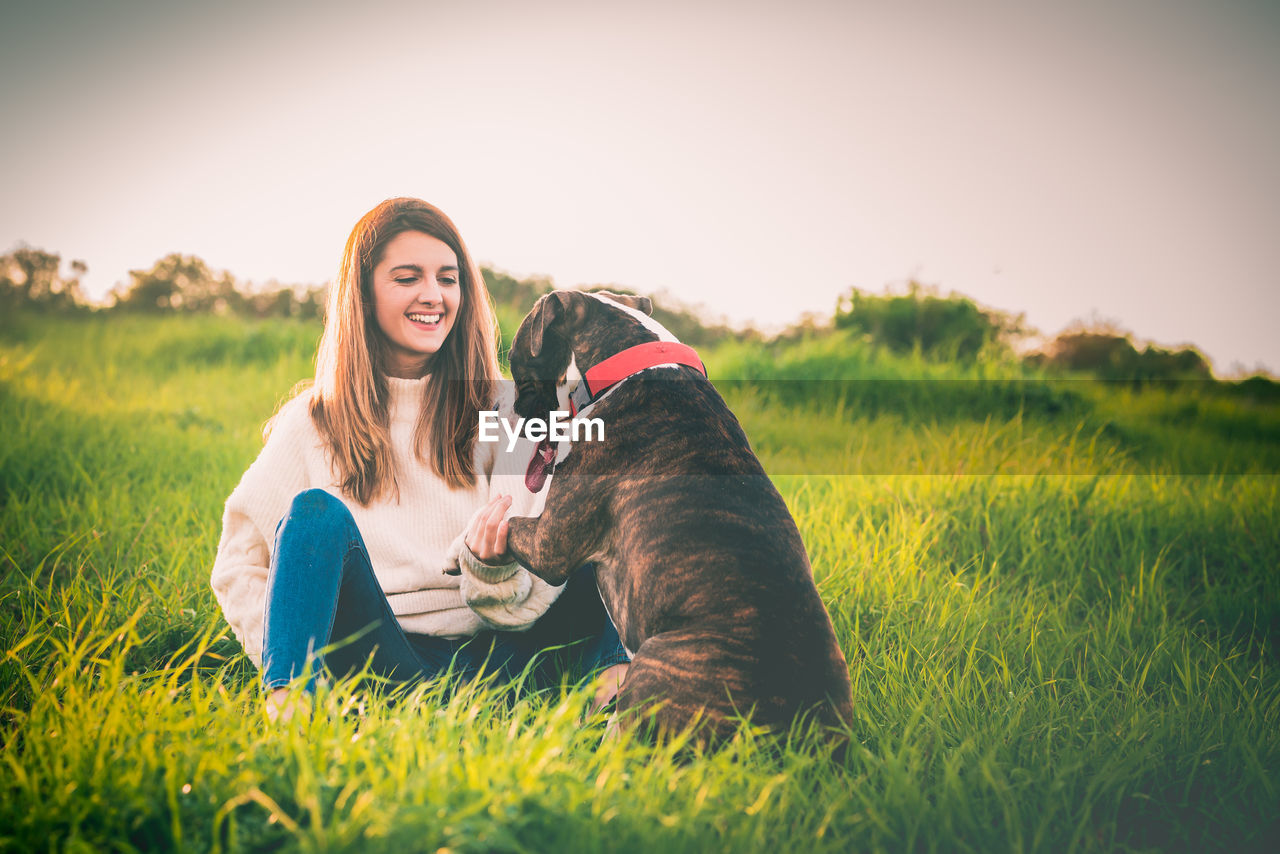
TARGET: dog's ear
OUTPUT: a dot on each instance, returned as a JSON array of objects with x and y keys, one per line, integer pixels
[
  {"x": 635, "y": 301},
  {"x": 545, "y": 312},
  {"x": 549, "y": 310}
]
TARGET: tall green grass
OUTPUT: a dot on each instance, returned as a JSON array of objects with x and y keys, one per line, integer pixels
[{"x": 1058, "y": 639}]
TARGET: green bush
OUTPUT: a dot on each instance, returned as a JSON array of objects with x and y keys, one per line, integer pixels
[
  {"x": 1112, "y": 355},
  {"x": 951, "y": 327}
]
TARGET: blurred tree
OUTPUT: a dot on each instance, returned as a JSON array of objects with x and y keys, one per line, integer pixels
[
  {"x": 684, "y": 321},
  {"x": 180, "y": 283},
  {"x": 520, "y": 294},
  {"x": 32, "y": 278},
  {"x": 276, "y": 300},
  {"x": 951, "y": 327},
  {"x": 1109, "y": 353},
  {"x": 1259, "y": 389},
  {"x": 312, "y": 302}
]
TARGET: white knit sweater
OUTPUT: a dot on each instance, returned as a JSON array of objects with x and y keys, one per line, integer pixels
[{"x": 412, "y": 539}]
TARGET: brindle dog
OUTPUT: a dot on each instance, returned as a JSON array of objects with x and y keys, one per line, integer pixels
[{"x": 698, "y": 560}]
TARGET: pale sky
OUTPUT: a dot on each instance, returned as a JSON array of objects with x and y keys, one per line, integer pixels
[{"x": 1116, "y": 159}]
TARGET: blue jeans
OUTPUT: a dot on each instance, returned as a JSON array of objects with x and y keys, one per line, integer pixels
[{"x": 326, "y": 610}]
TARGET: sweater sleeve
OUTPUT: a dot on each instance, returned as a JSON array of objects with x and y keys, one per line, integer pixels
[
  {"x": 505, "y": 597},
  {"x": 249, "y": 520},
  {"x": 239, "y": 579}
]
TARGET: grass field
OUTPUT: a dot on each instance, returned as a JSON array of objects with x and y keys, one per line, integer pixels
[{"x": 1058, "y": 602}]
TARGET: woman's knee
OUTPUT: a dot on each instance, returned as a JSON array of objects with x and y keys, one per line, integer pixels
[
  {"x": 316, "y": 504},
  {"x": 317, "y": 518}
]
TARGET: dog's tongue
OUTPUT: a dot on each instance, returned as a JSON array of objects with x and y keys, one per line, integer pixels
[{"x": 544, "y": 460}]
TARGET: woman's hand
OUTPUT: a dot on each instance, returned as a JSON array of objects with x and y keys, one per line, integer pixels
[{"x": 487, "y": 533}]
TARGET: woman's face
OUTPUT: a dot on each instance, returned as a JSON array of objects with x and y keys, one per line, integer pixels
[{"x": 416, "y": 297}]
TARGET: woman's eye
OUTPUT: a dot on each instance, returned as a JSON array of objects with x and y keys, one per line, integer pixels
[
  {"x": 448, "y": 280},
  {"x": 407, "y": 280}
]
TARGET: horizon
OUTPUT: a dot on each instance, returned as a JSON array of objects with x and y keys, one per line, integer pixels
[
  {"x": 1023, "y": 344},
  {"x": 1062, "y": 163}
]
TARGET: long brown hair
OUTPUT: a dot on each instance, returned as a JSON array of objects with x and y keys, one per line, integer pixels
[{"x": 350, "y": 399}]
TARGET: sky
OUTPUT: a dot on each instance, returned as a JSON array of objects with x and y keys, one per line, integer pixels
[{"x": 1087, "y": 160}]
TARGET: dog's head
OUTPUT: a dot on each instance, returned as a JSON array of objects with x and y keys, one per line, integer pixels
[{"x": 568, "y": 332}]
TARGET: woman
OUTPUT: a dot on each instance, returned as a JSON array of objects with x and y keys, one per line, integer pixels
[{"x": 372, "y": 484}]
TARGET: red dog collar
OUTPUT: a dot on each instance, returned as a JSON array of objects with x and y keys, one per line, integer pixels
[
  {"x": 602, "y": 377},
  {"x": 633, "y": 360},
  {"x": 630, "y": 361}
]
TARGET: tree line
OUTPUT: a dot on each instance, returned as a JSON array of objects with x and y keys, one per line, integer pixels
[
  {"x": 922, "y": 321},
  {"x": 36, "y": 280},
  {"x": 955, "y": 328}
]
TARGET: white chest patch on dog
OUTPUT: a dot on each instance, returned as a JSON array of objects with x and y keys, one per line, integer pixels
[
  {"x": 648, "y": 322},
  {"x": 572, "y": 376}
]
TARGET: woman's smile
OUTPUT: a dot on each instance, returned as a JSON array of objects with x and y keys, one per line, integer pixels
[{"x": 424, "y": 320}]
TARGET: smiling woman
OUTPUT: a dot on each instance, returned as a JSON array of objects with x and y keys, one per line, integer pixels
[
  {"x": 372, "y": 528},
  {"x": 416, "y": 296}
]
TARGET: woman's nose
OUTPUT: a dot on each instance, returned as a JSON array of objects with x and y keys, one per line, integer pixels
[{"x": 430, "y": 293}]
